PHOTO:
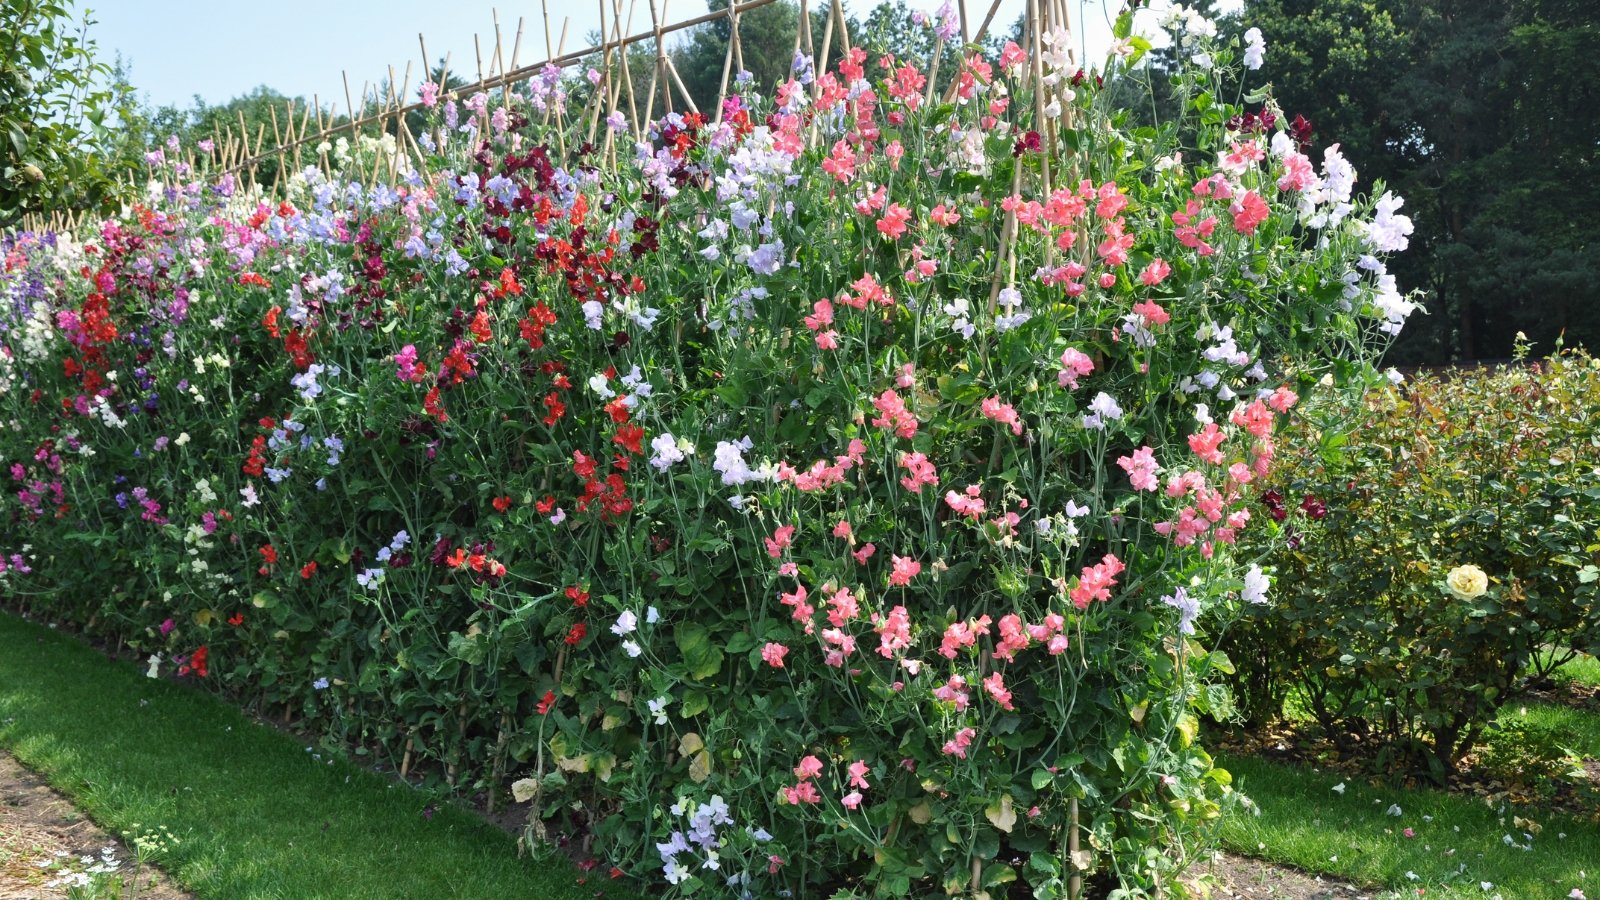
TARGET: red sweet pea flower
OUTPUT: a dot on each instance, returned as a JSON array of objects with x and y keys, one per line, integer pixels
[
  {"x": 628, "y": 437},
  {"x": 197, "y": 662},
  {"x": 270, "y": 321}
]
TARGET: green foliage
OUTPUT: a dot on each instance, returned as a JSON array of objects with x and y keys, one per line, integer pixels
[
  {"x": 1531, "y": 756},
  {"x": 1483, "y": 115},
  {"x": 1490, "y": 468},
  {"x": 53, "y": 108}
]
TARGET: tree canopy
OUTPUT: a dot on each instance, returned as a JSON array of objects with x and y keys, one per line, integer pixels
[
  {"x": 1484, "y": 117},
  {"x": 54, "y": 101}
]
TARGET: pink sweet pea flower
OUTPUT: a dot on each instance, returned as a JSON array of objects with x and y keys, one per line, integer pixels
[
  {"x": 772, "y": 654},
  {"x": 1155, "y": 273},
  {"x": 858, "y": 774},
  {"x": 958, "y": 746},
  {"x": 1141, "y": 468},
  {"x": 995, "y": 684},
  {"x": 1004, "y": 413},
  {"x": 905, "y": 569},
  {"x": 809, "y": 768},
  {"x": 1075, "y": 364}
]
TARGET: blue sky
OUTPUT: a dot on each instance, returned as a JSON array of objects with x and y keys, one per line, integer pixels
[{"x": 219, "y": 49}]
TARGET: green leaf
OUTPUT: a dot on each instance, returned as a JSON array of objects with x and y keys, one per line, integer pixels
[
  {"x": 1123, "y": 26},
  {"x": 703, "y": 657},
  {"x": 694, "y": 703}
]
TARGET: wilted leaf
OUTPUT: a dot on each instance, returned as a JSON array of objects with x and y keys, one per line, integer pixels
[{"x": 1001, "y": 815}]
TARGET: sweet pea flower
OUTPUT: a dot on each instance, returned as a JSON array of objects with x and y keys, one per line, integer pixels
[
  {"x": 958, "y": 746},
  {"x": 773, "y": 653}
]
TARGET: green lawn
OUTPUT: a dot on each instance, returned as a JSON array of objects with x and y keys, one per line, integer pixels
[
  {"x": 1459, "y": 841},
  {"x": 1583, "y": 669},
  {"x": 258, "y": 815},
  {"x": 1577, "y": 730}
]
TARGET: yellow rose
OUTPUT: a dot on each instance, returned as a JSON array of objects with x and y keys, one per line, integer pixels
[{"x": 1467, "y": 582}]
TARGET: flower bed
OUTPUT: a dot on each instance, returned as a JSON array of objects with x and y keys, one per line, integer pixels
[{"x": 826, "y": 493}]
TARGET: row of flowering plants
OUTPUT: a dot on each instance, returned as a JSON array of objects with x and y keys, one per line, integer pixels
[{"x": 822, "y": 498}]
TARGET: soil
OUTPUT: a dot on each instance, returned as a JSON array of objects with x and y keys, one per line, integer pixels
[
  {"x": 38, "y": 825},
  {"x": 1251, "y": 879}
]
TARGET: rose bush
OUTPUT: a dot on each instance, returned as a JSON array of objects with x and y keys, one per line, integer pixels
[
  {"x": 1439, "y": 556},
  {"x": 823, "y": 498}
]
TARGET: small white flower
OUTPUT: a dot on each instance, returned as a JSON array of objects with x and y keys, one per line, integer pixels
[
  {"x": 1393, "y": 810},
  {"x": 625, "y": 623},
  {"x": 1339, "y": 788},
  {"x": 1255, "y": 591},
  {"x": 632, "y": 648},
  {"x": 155, "y": 666}
]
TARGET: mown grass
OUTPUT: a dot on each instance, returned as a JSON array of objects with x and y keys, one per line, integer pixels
[
  {"x": 1577, "y": 730},
  {"x": 1583, "y": 670},
  {"x": 258, "y": 815},
  {"x": 1459, "y": 842}
]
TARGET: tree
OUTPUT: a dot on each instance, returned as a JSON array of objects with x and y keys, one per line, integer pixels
[
  {"x": 1483, "y": 116},
  {"x": 766, "y": 39},
  {"x": 53, "y": 105}
]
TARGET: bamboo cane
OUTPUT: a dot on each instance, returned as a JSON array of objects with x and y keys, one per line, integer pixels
[{"x": 562, "y": 59}]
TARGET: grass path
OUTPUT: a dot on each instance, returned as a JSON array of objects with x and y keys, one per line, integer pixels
[{"x": 258, "y": 815}]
